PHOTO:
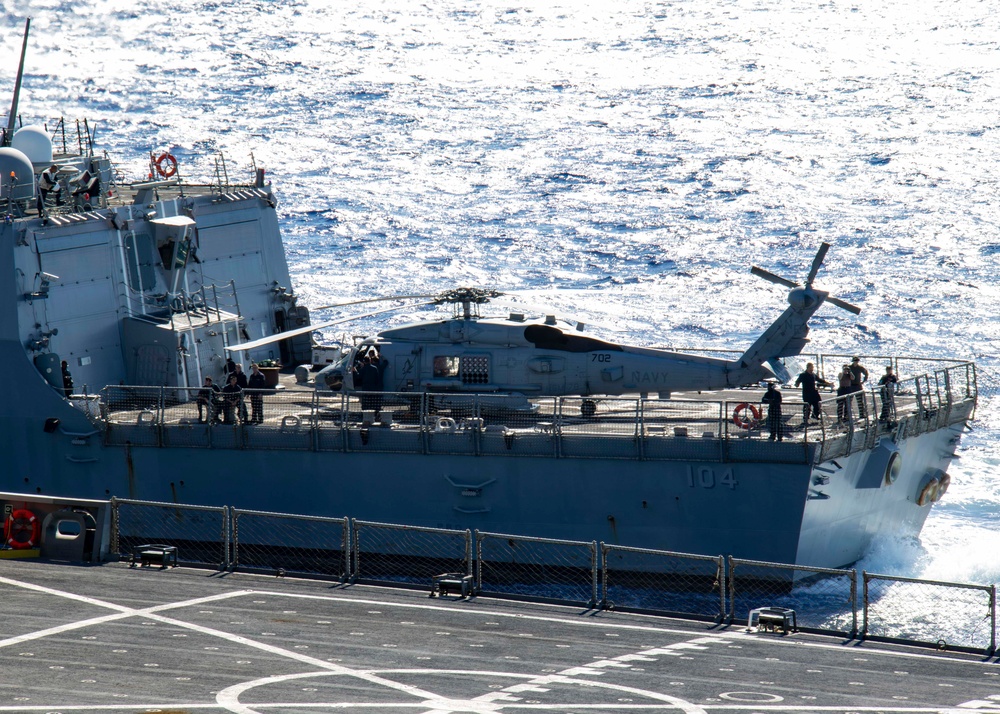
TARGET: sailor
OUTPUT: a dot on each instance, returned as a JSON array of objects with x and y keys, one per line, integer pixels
[
  {"x": 888, "y": 384},
  {"x": 772, "y": 398},
  {"x": 208, "y": 400},
  {"x": 810, "y": 395},
  {"x": 229, "y": 369},
  {"x": 48, "y": 182},
  {"x": 67, "y": 379},
  {"x": 859, "y": 375},
  {"x": 241, "y": 380},
  {"x": 844, "y": 389},
  {"x": 370, "y": 382},
  {"x": 232, "y": 399},
  {"x": 256, "y": 382}
]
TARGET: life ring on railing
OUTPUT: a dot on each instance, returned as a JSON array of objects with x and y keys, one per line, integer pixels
[
  {"x": 929, "y": 493},
  {"x": 445, "y": 425},
  {"x": 290, "y": 421},
  {"x": 740, "y": 418},
  {"x": 20, "y": 522},
  {"x": 170, "y": 170}
]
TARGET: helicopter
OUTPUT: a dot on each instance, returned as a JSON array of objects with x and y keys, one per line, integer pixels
[{"x": 515, "y": 357}]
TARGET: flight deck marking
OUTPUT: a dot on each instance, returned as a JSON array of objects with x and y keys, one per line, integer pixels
[
  {"x": 736, "y": 634},
  {"x": 490, "y": 702}
]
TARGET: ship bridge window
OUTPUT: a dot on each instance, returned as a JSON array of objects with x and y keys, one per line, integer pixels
[
  {"x": 445, "y": 366},
  {"x": 475, "y": 369}
]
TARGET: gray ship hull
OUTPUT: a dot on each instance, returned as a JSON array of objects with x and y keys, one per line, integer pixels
[{"x": 824, "y": 514}]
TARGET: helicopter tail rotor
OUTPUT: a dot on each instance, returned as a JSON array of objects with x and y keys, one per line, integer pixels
[
  {"x": 804, "y": 296},
  {"x": 788, "y": 335}
]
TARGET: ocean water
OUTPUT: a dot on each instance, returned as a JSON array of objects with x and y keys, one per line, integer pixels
[{"x": 624, "y": 163}]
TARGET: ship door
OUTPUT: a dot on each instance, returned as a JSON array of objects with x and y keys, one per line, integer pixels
[{"x": 151, "y": 365}]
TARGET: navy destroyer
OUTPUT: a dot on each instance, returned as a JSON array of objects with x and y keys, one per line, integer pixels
[{"x": 125, "y": 297}]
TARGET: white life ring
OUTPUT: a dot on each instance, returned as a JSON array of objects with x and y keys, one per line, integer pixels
[{"x": 445, "y": 425}]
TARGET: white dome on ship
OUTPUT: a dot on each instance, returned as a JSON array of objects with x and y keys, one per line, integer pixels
[
  {"x": 15, "y": 162},
  {"x": 34, "y": 141}
]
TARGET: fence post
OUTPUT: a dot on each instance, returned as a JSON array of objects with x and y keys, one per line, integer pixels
[
  {"x": 355, "y": 549},
  {"x": 468, "y": 553},
  {"x": 864, "y": 620},
  {"x": 604, "y": 575},
  {"x": 854, "y": 602},
  {"x": 228, "y": 536},
  {"x": 114, "y": 526},
  {"x": 593, "y": 574},
  {"x": 993, "y": 619},
  {"x": 721, "y": 577},
  {"x": 477, "y": 581},
  {"x": 732, "y": 589},
  {"x": 161, "y": 412}
]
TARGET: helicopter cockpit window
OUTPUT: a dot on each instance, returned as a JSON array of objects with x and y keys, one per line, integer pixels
[
  {"x": 475, "y": 369},
  {"x": 445, "y": 367}
]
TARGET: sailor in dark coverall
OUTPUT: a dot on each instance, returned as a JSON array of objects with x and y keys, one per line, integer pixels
[
  {"x": 810, "y": 395},
  {"x": 772, "y": 398},
  {"x": 888, "y": 392},
  {"x": 232, "y": 398},
  {"x": 859, "y": 375},
  {"x": 370, "y": 381},
  {"x": 256, "y": 381}
]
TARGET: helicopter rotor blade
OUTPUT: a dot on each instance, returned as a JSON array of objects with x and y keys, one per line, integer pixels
[
  {"x": 817, "y": 261},
  {"x": 368, "y": 300},
  {"x": 771, "y": 277},
  {"x": 843, "y": 304},
  {"x": 278, "y": 337}
]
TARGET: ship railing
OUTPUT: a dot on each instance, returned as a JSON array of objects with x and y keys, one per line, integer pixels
[
  {"x": 556, "y": 427},
  {"x": 966, "y": 613},
  {"x": 665, "y": 582},
  {"x": 946, "y": 615},
  {"x": 289, "y": 544},
  {"x": 545, "y": 569},
  {"x": 200, "y": 534},
  {"x": 391, "y": 554},
  {"x": 824, "y": 599}
]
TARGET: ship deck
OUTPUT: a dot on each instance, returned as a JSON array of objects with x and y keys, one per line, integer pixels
[
  {"x": 687, "y": 425},
  {"x": 109, "y": 638}
]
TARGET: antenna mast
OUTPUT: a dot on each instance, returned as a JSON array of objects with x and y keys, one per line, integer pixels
[{"x": 9, "y": 134}]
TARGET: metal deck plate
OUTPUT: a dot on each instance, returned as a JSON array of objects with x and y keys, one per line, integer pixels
[{"x": 107, "y": 638}]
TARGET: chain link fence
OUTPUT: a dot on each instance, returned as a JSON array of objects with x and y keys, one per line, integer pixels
[
  {"x": 661, "y": 581},
  {"x": 200, "y": 533},
  {"x": 388, "y": 553},
  {"x": 282, "y": 543},
  {"x": 948, "y": 615},
  {"x": 540, "y": 568},
  {"x": 945, "y": 614},
  {"x": 823, "y": 598}
]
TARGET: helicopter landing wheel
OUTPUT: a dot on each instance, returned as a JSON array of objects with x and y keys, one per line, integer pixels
[{"x": 588, "y": 408}]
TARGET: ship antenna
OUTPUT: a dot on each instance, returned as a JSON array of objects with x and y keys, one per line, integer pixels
[{"x": 17, "y": 87}]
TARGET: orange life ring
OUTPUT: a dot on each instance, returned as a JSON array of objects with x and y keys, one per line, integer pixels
[
  {"x": 739, "y": 415},
  {"x": 171, "y": 169},
  {"x": 929, "y": 493},
  {"x": 18, "y": 523}
]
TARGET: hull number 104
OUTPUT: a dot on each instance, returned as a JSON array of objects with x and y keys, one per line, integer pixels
[{"x": 707, "y": 477}]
